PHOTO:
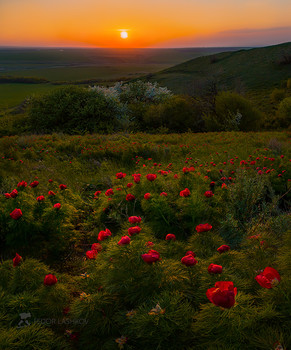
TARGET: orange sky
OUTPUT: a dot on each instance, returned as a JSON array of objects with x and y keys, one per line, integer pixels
[{"x": 150, "y": 23}]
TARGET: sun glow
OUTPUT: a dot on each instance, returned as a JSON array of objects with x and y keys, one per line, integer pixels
[{"x": 124, "y": 35}]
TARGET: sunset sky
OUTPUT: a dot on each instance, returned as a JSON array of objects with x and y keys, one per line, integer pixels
[{"x": 149, "y": 23}]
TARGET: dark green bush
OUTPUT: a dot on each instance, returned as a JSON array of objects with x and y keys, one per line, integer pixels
[
  {"x": 73, "y": 109},
  {"x": 179, "y": 113},
  {"x": 284, "y": 112},
  {"x": 233, "y": 112}
]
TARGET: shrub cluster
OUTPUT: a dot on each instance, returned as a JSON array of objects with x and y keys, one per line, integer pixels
[{"x": 138, "y": 106}]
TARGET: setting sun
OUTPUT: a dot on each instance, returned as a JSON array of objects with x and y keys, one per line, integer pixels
[{"x": 124, "y": 35}]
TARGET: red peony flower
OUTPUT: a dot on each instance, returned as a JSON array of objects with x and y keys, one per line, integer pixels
[
  {"x": 57, "y": 206},
  {"x": 149, "y": 244},
  {"x": 223, "y": 294},
  {"x": 17, "y": 260},
  {"x": 34, "y": 184},
  {"x": 223, "y": 248},
  {"x": 91, "y": 254},
  {"x": 186, "y": 170},
  {"x": 269, "y": 278},
  {"x": 130, "y": 197},
  {"x": 129, "y": 185},
  {"x": 22, "y": 184},
  {"x": 147, "y": 196},
  {"x": 212, "y": 268},
  {"x": 212, "y": 184},
  {"x": 62, "y": 187},
  {"x": 151, "y": 257},
  {"x": 96, "y": 246},
  {"x": 120, "y": 175},
  {"x": 103, "y": 235},
  {"x": 164, "y": 194},
  {"x": 16, "y": 214},
  {"x": 136, "y": 178},
  {"x": 185, "y": 193},
  {"x": 189, "y": 260},
  {"x": 51, "y": 193},
  {"x": 124, "y": 240},
  {"x": 50, "y": 280},
  {"x": 7, "y": 195},
  {"x": 170, "y": 237},
  {"x": 14, "y": 193},
  {"x": 151, "y": 177},
  {"x": 134, "y": 219},
  {"x": 203, "y": 228},
  {"x": 109, "y": 192},
  {"x": 208, "y": 194},
  {"x": 96, "y": 194},
  {"x": 134, "y": 230},
  {"x": 40, "y": 198},
  {"x": 50, "y": 181},
  {"x": 190, "y": 253}
]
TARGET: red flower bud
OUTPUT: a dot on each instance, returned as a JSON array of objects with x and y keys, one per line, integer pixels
[
  {"x": 17, "y": 260},
  {"x": 50, "y": 280}
]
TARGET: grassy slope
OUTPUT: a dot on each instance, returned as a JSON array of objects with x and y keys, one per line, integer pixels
[{"x": 252, "y": 69}]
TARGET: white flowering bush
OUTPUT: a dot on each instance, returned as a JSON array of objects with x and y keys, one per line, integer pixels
[{"x": 135, "y": 92}]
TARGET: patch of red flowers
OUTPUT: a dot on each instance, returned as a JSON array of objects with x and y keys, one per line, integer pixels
[
  {"x": 57, "y": 206},
  {"x": 62, "y": 187},
  {"x": 223, "y": 294}
]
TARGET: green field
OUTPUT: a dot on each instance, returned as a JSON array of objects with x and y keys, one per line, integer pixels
[
  {"x": 77, "y": 65},
  {"x": 13, "y": 94}
]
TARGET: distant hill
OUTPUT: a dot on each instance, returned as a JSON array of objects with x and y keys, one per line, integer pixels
[{"x": 247, "y": 70}]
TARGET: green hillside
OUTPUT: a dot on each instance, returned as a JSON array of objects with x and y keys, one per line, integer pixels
[{"x": 244, "y": 70}]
